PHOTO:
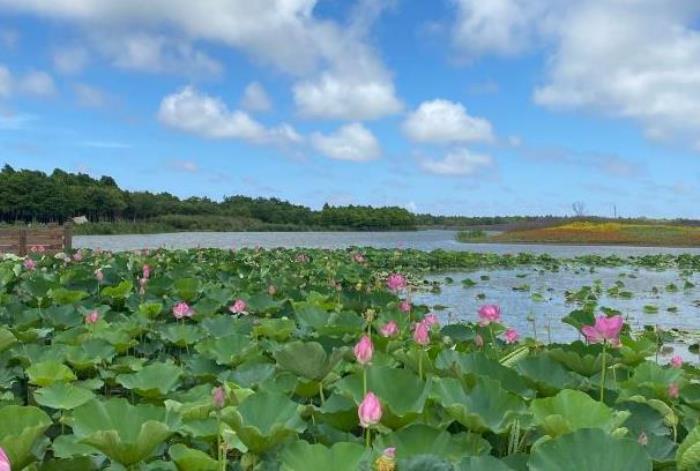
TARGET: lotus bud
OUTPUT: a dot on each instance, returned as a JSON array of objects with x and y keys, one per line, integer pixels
[
  {"x": 370, "y": 410},
  {"x": 219, "y": 397},
  {"x": 364, "y": 350},
  {"x": 676, "y": 361},
  {"x": 369, "y": 315},
  {"x": 92, "y": 317}
]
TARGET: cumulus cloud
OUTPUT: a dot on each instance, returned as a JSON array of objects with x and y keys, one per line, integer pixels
[
  {"x": 194, "y": 112},
  {"x": 255, "y": 98},
  {"x": 70, "y": 60},
  {"x": 351, "y": 142},
  {"x": 458, "y": 163},
  {"x": 637, "y": 60},
  {"x": 36, "y": 82},
  {"x": 339, "y": 76},
  {"x": 187, "y": 166},
  {"x": 89, "y": 96},
  {"x": 443, "y": 121}
]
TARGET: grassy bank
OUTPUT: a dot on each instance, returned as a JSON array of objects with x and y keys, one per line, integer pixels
[{"x": 609, "y": 233}]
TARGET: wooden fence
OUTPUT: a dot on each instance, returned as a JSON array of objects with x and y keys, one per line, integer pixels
[{"x": 24, "y": 240}]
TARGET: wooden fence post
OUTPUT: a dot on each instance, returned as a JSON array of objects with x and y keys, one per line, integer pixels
[
  {"x": 22, "y": 242},
  {"x": 67, "y": 237}
]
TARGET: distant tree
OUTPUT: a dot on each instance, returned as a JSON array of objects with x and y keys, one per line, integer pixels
[{"x": 579, "y": 208}]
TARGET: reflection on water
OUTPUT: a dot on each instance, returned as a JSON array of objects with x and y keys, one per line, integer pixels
[
  {"x": 422, "y": 240},
  {"x": 540, "y": 296}
]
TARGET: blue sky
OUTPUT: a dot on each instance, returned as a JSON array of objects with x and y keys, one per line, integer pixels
[{"x": 447, "y": 106}]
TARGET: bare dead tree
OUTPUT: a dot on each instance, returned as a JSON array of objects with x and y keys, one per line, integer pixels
[{"x": 579, "y": 208}]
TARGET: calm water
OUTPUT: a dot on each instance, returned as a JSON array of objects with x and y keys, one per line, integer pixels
[
  {"x": 461, "y": 303},
  {"x": 422, "y": 240}
]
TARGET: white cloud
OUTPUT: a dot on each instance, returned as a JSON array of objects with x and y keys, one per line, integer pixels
[
  {"x": 339, "y": 75},
  {"x": 459, "y": 162},
  {"x": 339, "y": 96},
  {"x": 5, "y": 81},
  {"x": 351, "y": 142},
  {"x": 37, "y": 83},
  {"x": 638, "y": 60},
  {"x": 255, "y": 98},
  {"x": 105, "y": 144},
  {"x": 197, "y": 113},
  {"x": 157, "y": 54},
  {"x": 503, "y": 27},
  {"x": 9, "y": 38},
  {"x": 187, "y": 166},
  {"x": 70, "y": 60},
  {"x": 89, "y": 96},
  {"x": 443, "y": 121}
]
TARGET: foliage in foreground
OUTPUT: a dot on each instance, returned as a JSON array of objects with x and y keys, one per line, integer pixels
[{"x": 210, "y": 360}]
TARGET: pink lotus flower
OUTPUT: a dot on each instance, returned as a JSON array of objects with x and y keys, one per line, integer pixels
[
  {"x": 606, "y": 329},
  {"x": 182, "y": 310},
  {"x": 38, "y": 249},
  {"x": 396, "y": 282},
  {"x": 146, "y": 271},
  {"x": 364, "y": 350},
  {"x": 405, "y": 306},
  {"x": 421, "y": 333},
  {"x": 219, "y": 397},
  {"x": 390, "y": 452},
  {"x": 238, "y": 307},
  {"x": 358, "y": 257},
  {"x": 511, "y": 336},
  {"x": 673, "y": 391},
  {"x": 676, "y": 361},
  {"x": 478, "y": 341},
  {"x": 431, "y": 320},
  {"x": 370, "y": 410},
  {"x": 5, "y": 464},
  {"x": 489, "y": 313},
  {"x": 389, "y": 329},
  {"x": 99, "y": 276},
  {"x": 92, "y": 317},
  {"x": 302, "y": 258},
  {"x": 78, "y": 256},
  {"x": 29, "y": 264}
]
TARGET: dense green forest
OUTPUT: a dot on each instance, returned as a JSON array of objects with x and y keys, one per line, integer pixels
[{"x": 29, "y": 196}]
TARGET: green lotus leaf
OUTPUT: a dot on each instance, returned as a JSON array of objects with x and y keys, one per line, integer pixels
[
  {"x": 477, "y": 364},
  {"x": 187, "y": 289},
  {"x": 486, "y": 407},
  {"x": 547, "y": 375},
  {"x": 150, "y": 309},
  {"x": 310, "y": 315},
  {"x": 249, "y": 374},
  {"x": 124, "y": 433},
  {"x": 90, "y": 353},
  {"x": 338, "y": 411},
  {"x": 343, "y": 456},
  {"x": 482, "y": 463},
  {"x": 688, "y": 454},
  {"x": 583, "y": 359},
  {"x": 264, "y": 420},
  {"x": 63, "y": 396},
  {"x": 47, "y": 373},
  {"x": 421, "y": 439},
  {"x": 571, "y": 410},
  {"x": 650, "y": 380},
  {"x": 278, "y": 329},
  {"x": 154, "y": 380},
  {"x": 188, "y": 459},
  {"x": 6, "y": 339},
  {"x": 69, "y": 446},
  {"x": 230, "y": 350},
  {"x": 82, "y": 463},
  {"x": 20, "y": 429},
  {"x": 589, "y": 450},
  {"x": 120, "y": 291},
  {"x": 401, "y": 392},
  {"x": 66, "y": 296},
  {"x": 223, "y": 326},
  {"x": 307, "y": 359},
  {"x": 182, "y": 334}
]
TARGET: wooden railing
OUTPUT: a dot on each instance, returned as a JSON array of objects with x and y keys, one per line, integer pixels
[{"x": 24, "y": 240}]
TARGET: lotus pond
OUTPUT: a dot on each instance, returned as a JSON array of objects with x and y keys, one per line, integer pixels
[{"x": 316, "y": 359}]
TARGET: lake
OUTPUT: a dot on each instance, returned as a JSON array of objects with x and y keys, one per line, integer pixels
[{"x": 421, "y": 240}]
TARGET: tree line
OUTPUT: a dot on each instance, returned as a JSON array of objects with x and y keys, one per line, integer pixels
[{"x": 30, "y": 196}]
